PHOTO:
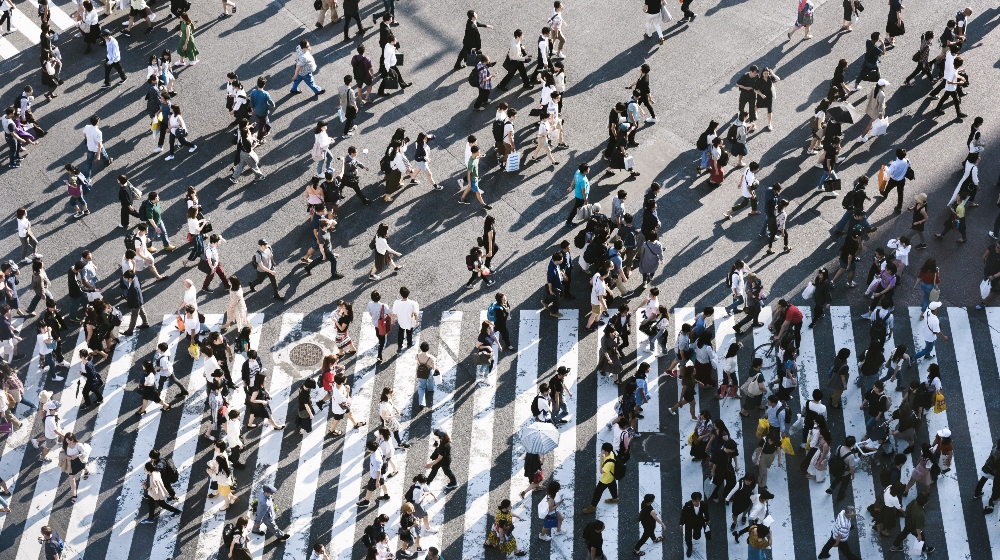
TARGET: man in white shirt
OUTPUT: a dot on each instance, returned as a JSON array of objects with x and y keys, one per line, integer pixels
[
  {"x": 930, "y": 330},
  {"x": 544, "y": 46},
  {"x": 190, "y": 297},
  {"x": 556, "y": 25},
  {"x": 597, "y": 303},
  {"x": 29, "y": 245},
  {"x": 952, "y": 82},
  {"x": 49, "y": 439},
  {"x": 391, "y": 68},
  {"x": 267, "y": 269},
  {"x": 95, "y": 146},
  {"x": 407, "y": 313},
  {"x": 543, "y": 403},
  {"x": 113, "y": 59},
  {"x": 748, "y": 183},
  {"x": 516, "y": 60},
  {"x": 164, "y": 366}
]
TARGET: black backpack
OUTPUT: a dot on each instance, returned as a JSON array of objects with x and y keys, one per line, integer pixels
[
  {"x": 227, "y": 534},
  {"x": 534, "y": 406},
  {"x": 885, "y": 472},
  {"x": 580, "y": 240},
  {"x": 702, "y": 143},
  {"x": 368, "y": 539},
  {"x": 498, "y": 126},
  {"x": 879, "y": 329},
  {"x": 724, "y": 158},
  {"x": 731, "y": 134},
  {"x": 169, "y": 472},
  {"x": 620, "y": 468},
  {"x": 474, "y": 78},
  {"x": 130, "y": 240},
  {"x": 837, "y": 464},
  {"x": 848, "y": 202},
  {"x": 143, "y": 210}
]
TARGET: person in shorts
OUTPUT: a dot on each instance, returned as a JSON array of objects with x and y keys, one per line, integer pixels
[
  {"x": 377, "y": 466},
  {"x": 49, "y": 439}
]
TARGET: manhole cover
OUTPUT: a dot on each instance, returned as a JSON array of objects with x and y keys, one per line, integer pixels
[{"x": 306, "y": 354}]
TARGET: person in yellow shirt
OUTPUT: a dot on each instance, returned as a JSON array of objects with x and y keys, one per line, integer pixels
[{"x": 607, "y": 480}]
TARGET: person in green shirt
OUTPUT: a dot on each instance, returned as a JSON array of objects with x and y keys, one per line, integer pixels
[
  {"x": 472, "y": 179},
  {"x": 914, "y": 525},
  {"x": 150, "y": 212}
]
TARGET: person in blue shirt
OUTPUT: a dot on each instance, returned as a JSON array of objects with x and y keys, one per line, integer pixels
[
  {"x": 581, "y": 191},
  {"x": 553, "y": 284},
  {"x": 898, "y": 171},
  {"x": 262, "y": 105}
]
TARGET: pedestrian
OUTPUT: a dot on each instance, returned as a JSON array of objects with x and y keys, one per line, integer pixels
[
  {"x": 822, "y": 295},
  {"x": 155, "y": 494},
  {"x": 262, "y": 104},
  {"x": 765, "y": 93},
  {"x": 894, "y": 26},
  {"x": 348, "y": 106},
  {"x": 925, "y": 470},
  {"x": 321, "y": 153},
  {"x": 421, "y": 158},
  {"x": 112, "y": 59},
  {"x": 260, "y": 403},
  {"x": 426, "y": 371},
  {"x": 163, "y": 361},
  {"x": 839, "y": 534},
  {"x": 441, "y": 459},
  {"x": 29, "y": 244},
  {"x": 15, "y": 138},
  {"x": 580, "y": 187},
  {"x": 213, "y": 264},
  {"x": 544, "y": 64},
  {"x": 953, "y": 80},
  {"x": 650, "y": 257},
  {"x": 53, "y": 545},
  {"x": 748, "y": 184},
  {"x": 266, "y": 515},
  {"x": 95, "y": 148},
  {"x": 248, "y": 158},
  {"x": 742, "y": 497},
  {"x": 305, "y": 65},
  {"x": 331, "y": 7},
  {"x": 391, "y": 64},
  {"x": 361, "y": 68},
  {"x": 395, "y": 166},
  {"x": 406, "y": 313},
  {"x": 689, "y": 16},
  {"x": 135, "y": 301},
  {"x": 500, "y": 534},
  {"x": 128, "y": 194},
  {"x": 716, "y": 169},
  {"x": 178, "y": 130},
  {"x": 693, "y": 520},
  {"x": 151, "y": 213},
  {"x": 516, "y": 62},
  {"x": 472, "y": 179},
  {"x": 968, "y": 185},
  {"x": 914, "y": 525},
  {"x": 266, "y": 267},
  {"x": 921, "y": 58},
  {"x": 607, "y": 480},
  {"x": 186, "y": 48},
  {"x": 471, "y": 41},
  {"x": 555, "y": 277},
  {"x": 352, "y": 11},
  {"x": 92, "y": 382},
  {"x": 653, "y": 9},
  {"x": 804, "y": 19},
  {"x": 383, "y": 253},
  {"x": 944, "y": 449},
  {"x": 139, "y": 9}
]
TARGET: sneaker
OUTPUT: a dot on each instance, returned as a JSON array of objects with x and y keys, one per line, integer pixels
[
  {"x": 928, "y": 548},
  {"x": 450, "y": 486},
  {"x": 346, "y": 136},
  {"x": 364, "y": 503},
  {"x": 234, "y": 180},
  {"x": 193, "y": 148},
  {"x": 147, "y": 522},
  {"x": 78, "y": 215},
  {"x": 487, "y": 206},
  {"x": 684, "y": 20},
  {"x": 438, "y": 187},
  {"x": 169, "y": 157},
  {"x": 59, "y": 378},
  {"x": 651, "y": 120},
  {"x": 34, "y": 443},
  {"x": 157, "y": 149},
  {"x": 463, "y": 201},
  {"x": 544, "y": 537},
  {"x": 106, "y": 86}
]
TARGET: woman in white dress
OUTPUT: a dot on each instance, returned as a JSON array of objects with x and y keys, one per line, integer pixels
[
  {"x": 390, "y": 415},
  {"x": 236, "y": 311},
  {"x": 818, "y": 466}
]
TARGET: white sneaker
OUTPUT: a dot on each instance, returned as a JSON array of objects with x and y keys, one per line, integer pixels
[
  {"x": 77, "y": 35},
  {"x": 157, "y": 149},
  {"x": 64, "y": 363},
  {"x": 193, "y": 148},
  {"x": 169, "y": 157},
  {"x": 152, "y": 16},
  {"x": 544, "y": 537},
  {"x": 560, "y": 532},
  {"x": 651, "y": 120},
  {"x": 58, "y": 378},
  {"x": 11, "y": 30},
  {"x": 861, "y": 139},
  {"x": 34, "y": 443}
]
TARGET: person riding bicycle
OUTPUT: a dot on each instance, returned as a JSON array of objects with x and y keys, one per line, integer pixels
[{"x": 791, "y": 323}]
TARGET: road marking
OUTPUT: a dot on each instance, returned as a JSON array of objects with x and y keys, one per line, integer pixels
[
  {"x": 952, "y": 516},
  {"x": 650, "y": 483},
  {"x": 214, "y": 519},
  {"x": 525, "y": 389},
  {"x": 651, "y": 414},
  {"x": 729, "y": 408},
  {"x": 109, "y": 413},
  {"x": 692, "y": 477},
  {"x": 564, "y": 467},
  {"x": 607, "y": 397}
]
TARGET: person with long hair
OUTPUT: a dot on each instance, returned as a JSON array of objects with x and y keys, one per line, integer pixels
[
  {"x": 390, "y": 415},
  {"x": 422, "y": 160},
  {"x": 150, "y": 393},
  {"x": 688, "y": 384},
  {"x": 218, "y": 471},
  {"x": 342, "y": 318},
  {"x": 186, "y": 48},
  {"x": 239, "y": 546},
  {"x": 77, "y": 455},
  {"x": 383, "y": 253},
  {"x": 260, "y": 403},
  {"x": 928, "y": 278},
  {"x": 178, "y": 131}
]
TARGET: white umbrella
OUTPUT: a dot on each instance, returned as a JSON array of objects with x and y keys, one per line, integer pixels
[{"x": 539, "y": 437}]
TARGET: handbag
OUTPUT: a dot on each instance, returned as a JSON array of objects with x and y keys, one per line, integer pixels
[
  {"x": 786, "y": 446},
  {"x": 399, "y": 58},
  {"x": 473, "y": 57},
  {"x": 709, "y": 488},
  {"x": 984, "y": 289},
  {"x": 665, "y": 16},
  {"x": 883, "y": 179},
  {"x": 629, "y": 163},
  {"x": 318, "y": 5},
  {"x": 763, "y": 426},
  {"x": 180, "y": 323},
  {"x": 538, "y": 476},
  {"x": 809, "y": 290},
  {"x": 6, "y": 427},
  {"x": 390, "y": 81},
  {"x": 514, "y": 161},
  {"x": 858, "y": 6},
  {"x": 831, "y": 185},
  {"x": 585, "y": 212},
  {"x": 935, "y": 293},
  {"x": 940, "y": 404},
  {"x": 751, "y": 387}
]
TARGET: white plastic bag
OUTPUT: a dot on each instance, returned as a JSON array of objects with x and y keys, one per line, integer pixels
[
  {"x": 629, "y": 163},
  {"x": 984, "y": 289},
  {"x": 664, "y": 14},
  {"x": 341, "y": 115},
  {"x": 809, "y": 290},
  {"x": 514, "y": 161},
  {"x": 879, "y": 126}
]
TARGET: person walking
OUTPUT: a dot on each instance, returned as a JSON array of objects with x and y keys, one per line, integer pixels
[
  {"x": 441, "y": 459},
  {"x": 331, "y": 7},
  {"x": 406, "y": 313},
  {"x": 113, "y": 59},
  {"x": 607, "y": 480},
  {"x": 875, "y": 109},
  {"x": 653, "y": 9},
  {"x": 391, "y": 65},
  {"x": 930, "y": 331},
  {"x": 894, "y": 26},
  {"x": 213, "y": 264},
  {"x": 92, "y": 380},
  {"x": 178, "y": 130},
  {"x": 74, "y": 457},
  {"x": 914, "y": 525},
  {"x": 135, "y": 302},
  {"x": 352, "y": 11},
  {"x": 472, "y": 41},
  {"x": 259, "y": 403},
  {"x": 693, "y": 520},
  {"x": 266, "y": 268},
  {"x": 516, "y": 63},
  {"x": 839, "y": 534},
  {"x": 155, "y": 494},
  {"x": 348, "y": 106},
  {"x": 485, "y": 83},
  {"x": 804, "y": 19},
  {"x": 186, "y": 48},
  {"x": 472, "y": 179},
  {"x": 383, "y": 253},
  {"x": 95, "y": 147},
  {"x": 689, "y": 16},
  {"x": 953, "y": 80},
  {"x": 248, "y": 158},
  {"x": 305, "y": 65},
  {"x": 262, "y": 104},
  {"x": 266, "y": 515}
]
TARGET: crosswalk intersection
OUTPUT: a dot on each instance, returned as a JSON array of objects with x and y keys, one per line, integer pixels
[{"x": 319, "y": 478}]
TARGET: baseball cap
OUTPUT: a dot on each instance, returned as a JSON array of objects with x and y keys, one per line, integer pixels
[
  {"x": 262, "y": 241},
  {"x": 53, "y": 405},
  {"x": 269, "y": 489}
]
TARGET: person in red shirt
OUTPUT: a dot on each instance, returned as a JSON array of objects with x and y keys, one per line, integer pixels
[
  {"x": 792, "y": 323},
  {"x": 329, "y": 371}
]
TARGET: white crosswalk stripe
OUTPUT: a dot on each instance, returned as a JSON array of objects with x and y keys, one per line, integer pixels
[
  {"x": 792, "y": 537},
  {"x": 28, "y": 33}
]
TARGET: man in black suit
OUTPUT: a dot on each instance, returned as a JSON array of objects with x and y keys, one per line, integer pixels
[
  {"x": 384, "y": 37},
  {"x": 472, "y": 40},
  {"x": 694, "y": 518},
  {"x": 133, "y": 297}
]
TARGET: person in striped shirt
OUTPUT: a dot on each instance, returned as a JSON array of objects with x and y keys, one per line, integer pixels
[{"x": 839, "y": 535}]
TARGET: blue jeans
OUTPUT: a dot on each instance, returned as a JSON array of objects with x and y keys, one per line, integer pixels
[
  {"x": 831, "y": 173},
  {"x": 79, "y": 307},
  {"x": 928, "y": 348},
  {"x": 308, "y": 79},
  {"x": 736, "y": 303},
  {"x": 704, "y": 159},
  {"x": 163, "y": 233},
  {"x": 389, "y": 6},
  {"x": 923, "y": 306},
  {"x": 755, "y": 553},
  {"x": 324, "y": 164},
  {"x": 197, "y": 247},
  {"x": 867, "y": 382},
  {"x": 89, "y": 165},
  {"x": 50, "y": 362},
  {"x": 844, "y": 220},
  {"x": 424, "y": 386}
]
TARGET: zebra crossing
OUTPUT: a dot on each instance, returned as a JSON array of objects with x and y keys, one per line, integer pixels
[
  {"x": 26, "y": 33},
  {"x": 319, "y": 478}
]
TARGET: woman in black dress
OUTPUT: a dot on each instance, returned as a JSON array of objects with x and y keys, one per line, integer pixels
[
  {"x": 894, "y": 26},
  {"x": 765, "y": 92},
  {"x": 149, "y": 391},
  {"x": 260, "y": 403},
  {"x": 489, "y": 241},
  {"x": 849, "y": 12}
]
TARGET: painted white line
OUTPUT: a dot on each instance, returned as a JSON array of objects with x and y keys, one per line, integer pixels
[
  {"x": 27, "y": 27},
  {"x": 564, "y": 468},
  {"x": 450, "y": 333},
  {"x": 607, "y": 397},
  {"x": 650, "y": 483},
  {"x": 977, "y": 421},
  {"x": 17, "y": 442},
  {"x": 692, "y": 479},
  {"x": 651, "y": 414},
  {"x": 214, "y": 519},
  {"x": 477, "y": 503},
  {"x": 185, "y": 447},
  {"x": 130, "y": 501},
  {"x": 404, "y": 385},
  {"x": 108, "y": 416},
  {"x": 729, "y": 408},
  {"x": 58, "y": 17},
  {"x": 352, "y": 466},
  {"x": 782, "y": 546},
  {"x": 952, "y": 515},
  {"x": 809, "y": 380},
  {"x": 269, "y": 447},
  {"x": 7, "y": 49},
  {"x": 525, "y": 389}
]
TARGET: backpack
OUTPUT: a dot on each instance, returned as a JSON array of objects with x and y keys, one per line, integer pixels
[
  {"x": 130, "y": 240},
  {"x": 731, "y": 134},
  {"x": 55, "y": 542},
  {"x": 535, "y": 410},
  {"x": 169, "y": 472},
  {"x": 624, "y": 442},
  {"x": 885, "y": 473},
  {"x": 848, "y": 202},
  {"x": 620, "y": 467},
  {"x": 724, "y": 158},
  {"x": 253, "y": 259},
  {"x": 580, "y": 239},
  {"x": 383, "y": 164},
  {"x": 814, "y": 124},
  {"x": 702, "y": 143},
  {"x": 368, "y": 539},
  {"x": 227, "y": 534},
  {"x": 879, "y": 329},
  {"x": 498, "y": 126},
  {"x": 837, "y": 464},
  {"x": 491, "y": 312},
  {"x": 474, "y": 78},
  {"x": 143, "y": 210},
  {"x": 115, "y": 317}
]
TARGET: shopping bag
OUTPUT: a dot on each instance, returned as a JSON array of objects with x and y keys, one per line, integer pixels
[
  {"x": 180, "y": 323},
  {"x": 809, "y": 290},
  {"x": 664, "y": 14},
  {"x": 917, "y": 549},
  {"x": 584, "y": 212},
  {"x": 831, "y": 185},
  {"x": 883, "y": 180},
  {"x": 156, "y": 122},
  {"x": 935, "y": 294},
  {"x": 629, "y": 163},
  {"x": 751, "y": 387},
  {"x": 786, "y": 446},
  {"x": 984, "y": 289},
  {"x": 514, "y": 161},
  {"x": 762, "y": 427},
  {"x": 194, "y": 351},
  {"x": 879, "y": 127},
  {"x": 399, "y": 58},
  {"x": 691, "y": 439},
  {"x": 341, "y": 115},
  {"x": 708, "y": 487},
  {"x": 940, "y": 404}
]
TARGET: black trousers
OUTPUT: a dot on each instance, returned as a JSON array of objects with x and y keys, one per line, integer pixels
[
  {"x": 151, "y": 504},
  {"x": 483, "y": 98},
  {"x": 552, "y": 301},
  {"x": 599, "y": 491},
  {"x": 994, "y": 494},
  {"x": 953, "y": 95},
  {"x": 261, "y": 276},
  {"x": 352, "y": 183},
  {"x": 516, "y": 67},
  {"x": 752, "y": 313},
  {"x": 234, "y": 455},
  {"x": 124, "y": 219},
  {"x": 447, "y": 472},
  {"x": 107, "y": 71},
  {"x": 349, "y": 114},
  {"x": 89, "y": 388},
  {"x": 504, "y": 333},
  {"x": 304, "y": 423},
  {"x": 399, "y": 79},
  {"x": 907, "y": 530},
  {"x": 400, "y": 332},
  {"x": 898, "y": 185},
  {"x": 842, "y": 481},
  {"x": 347, "y": 23},
  {"x": 691, "y": 534},
  {"x": 751, "y": 104},
  {"x": 462, "y": 54},
  {"x": 577, "y": 204},
  {"x": 539, "y": 68},
  {"x": 331, "y": 257},
  {"x": 922, "y": 68},
  {"x": 843, "y": 547},
  {"x": 647, "y": 533},
  {"x": 381, "y": 343},
  {"x": 645, "y": 102}
]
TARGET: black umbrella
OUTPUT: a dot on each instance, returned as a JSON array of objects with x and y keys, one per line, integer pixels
[{"x": 843, "y": 113}]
